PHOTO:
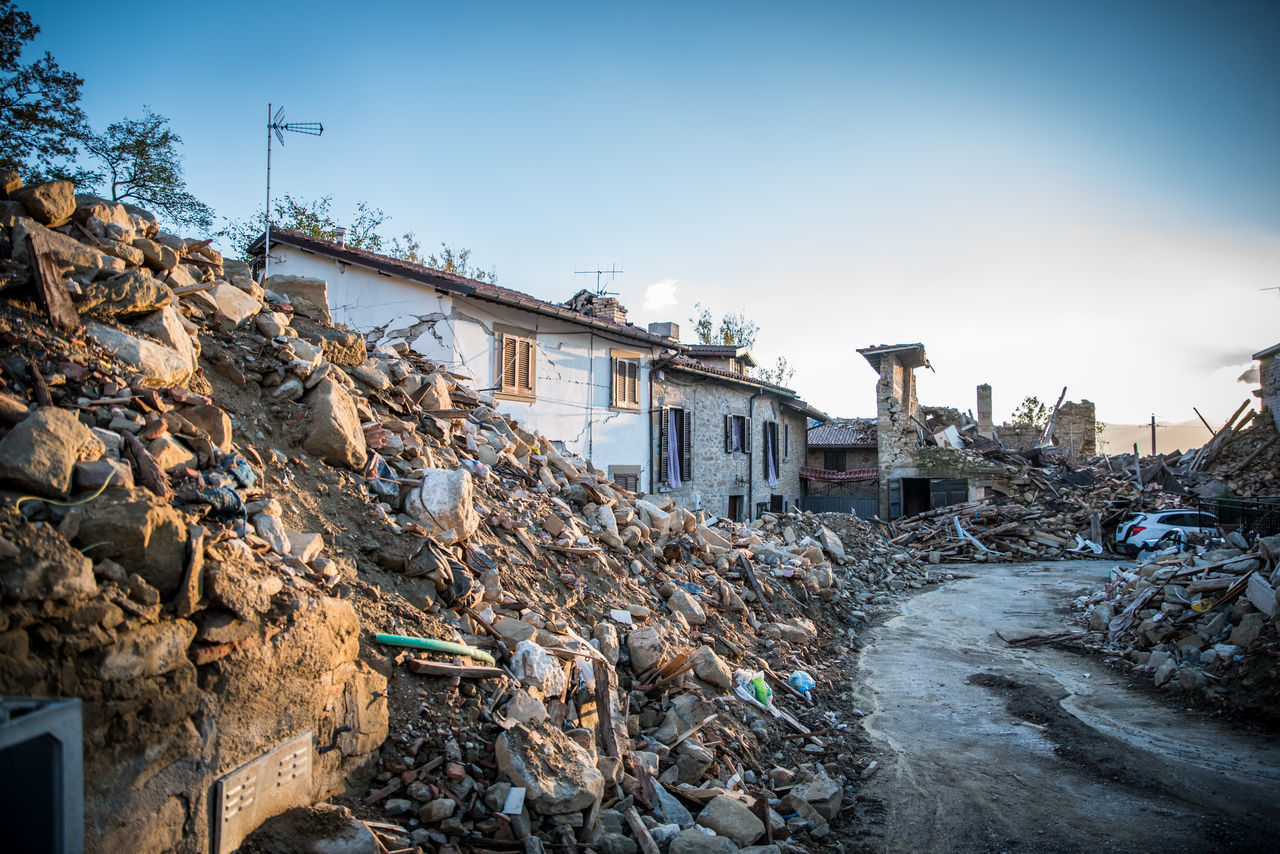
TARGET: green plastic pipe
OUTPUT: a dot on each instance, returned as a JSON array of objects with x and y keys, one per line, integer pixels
[{"x": 436, "y": 646}]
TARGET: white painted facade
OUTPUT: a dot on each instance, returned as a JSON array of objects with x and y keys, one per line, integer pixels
[{"x": 573, "y": 368}]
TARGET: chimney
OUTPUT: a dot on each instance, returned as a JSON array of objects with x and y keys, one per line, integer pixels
[
  {"x": 342, "y": 237},
  {"x": 665, "y": 330},
  {"x": 985, "y": 427}
]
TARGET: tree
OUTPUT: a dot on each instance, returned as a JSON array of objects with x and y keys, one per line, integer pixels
[
  {"x": 41, "y": 122},
  {"x": 316, "y": 219},
  {"x": 735, "y": 329},
  {"x": 780, "y": 374},
  {"x": 143, "y": 166},
  {"x": 1031, "y": 411}
]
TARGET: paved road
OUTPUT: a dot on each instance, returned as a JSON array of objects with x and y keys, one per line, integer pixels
[{"x": 1110, "y": 769}]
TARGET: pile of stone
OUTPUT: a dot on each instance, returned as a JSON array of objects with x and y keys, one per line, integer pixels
[
  {"x": 1244, "y": 464},
  {"x": 217, "y": 504},
  {"x": 1203, "y": 623}
]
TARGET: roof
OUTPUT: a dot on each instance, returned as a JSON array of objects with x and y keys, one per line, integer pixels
[
  {"x": 832, "y": 476},
  {"x": 451, "y": 283},
  {"x": 1270, "y": 351},
  {"x": 844, "y": 433},
  {"x": 908, "y": 355},
  {"x": 681, "y": 362},
  {"x": 721, "y": 351}
]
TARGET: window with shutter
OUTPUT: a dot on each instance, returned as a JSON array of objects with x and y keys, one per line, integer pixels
[
  {"x": 624, "y": 390},
  {"x": 675, "y": 436},
  {"x": 517, "y": 371},
  {"x": 735, "y": 433}
]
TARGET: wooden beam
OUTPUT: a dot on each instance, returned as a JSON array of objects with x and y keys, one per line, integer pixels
[
  {"x": 423, "y": 667},
  {"x": 50, "y": 291}
]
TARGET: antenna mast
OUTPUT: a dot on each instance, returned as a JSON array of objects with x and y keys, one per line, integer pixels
[
  {"x": 612, "y": 272},
  {"x": 277, "y": 125}
]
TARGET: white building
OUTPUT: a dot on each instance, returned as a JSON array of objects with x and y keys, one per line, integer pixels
[{"x": 579, "y": 375}]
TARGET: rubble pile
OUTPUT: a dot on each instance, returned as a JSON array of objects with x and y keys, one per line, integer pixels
[
  {"x": 227, "y": 521},
  {"x": 1246, "y": 463},
  {"x": 1202, "y": 623},
  {"x": 1048, "y": 513}
]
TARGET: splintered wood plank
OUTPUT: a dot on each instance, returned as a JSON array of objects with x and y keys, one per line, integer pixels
[{"x": 51, "y": 292}]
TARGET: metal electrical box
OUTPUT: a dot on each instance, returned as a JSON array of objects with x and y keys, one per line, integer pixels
[{"x": 41, "y": 775}]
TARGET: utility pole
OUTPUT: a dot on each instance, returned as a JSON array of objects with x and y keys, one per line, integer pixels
[{"x": 1153, "y": 434}]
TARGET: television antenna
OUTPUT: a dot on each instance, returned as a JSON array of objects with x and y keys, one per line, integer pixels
[
  {"x": 277, "y": 125},
  {"x": 611, "y": 273}
]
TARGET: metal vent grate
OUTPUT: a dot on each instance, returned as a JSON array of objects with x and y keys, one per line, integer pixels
[{"x": 274, "y": 782}]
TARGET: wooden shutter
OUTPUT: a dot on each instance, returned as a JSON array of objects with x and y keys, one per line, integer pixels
[
  {"x": 746, "y": 435},
  {"x": 686, "y": 452},
  {"x": 507, "y": 373},
  {"x": 525, "y": 366},
  {"x": 786, "y": 441},
  {"x": 633, "y": 382},
  {"x": 662, "y": 444},
  {"x": 728, "y": 434},
  {"x": 618, "y": 384}
]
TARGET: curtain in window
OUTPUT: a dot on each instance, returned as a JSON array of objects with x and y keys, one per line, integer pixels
[
  {"x": 771, "y": 455},
  {"x": 735, "y": 427},
  {"x": 673, "y": 452}
]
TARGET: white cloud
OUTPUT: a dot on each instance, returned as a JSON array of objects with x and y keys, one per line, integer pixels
[{"x": 661, "y": 294}]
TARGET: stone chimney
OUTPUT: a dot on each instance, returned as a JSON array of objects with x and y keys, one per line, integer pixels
[
  {"x": 665, "y": 330},
  {"x": 985, "y": 427},
  {"x": 599, "y": 307}
]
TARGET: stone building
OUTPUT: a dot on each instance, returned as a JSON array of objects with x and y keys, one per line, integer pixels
[
  {"x": 1269, "y": 381},
  {"x": 840, "y": 472},
  {"x": 913, "y": 475},
  {"x": 722, "y": 441}
]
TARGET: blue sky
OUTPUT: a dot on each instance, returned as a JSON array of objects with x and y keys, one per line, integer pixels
[{"x": 1045, "y": 194}]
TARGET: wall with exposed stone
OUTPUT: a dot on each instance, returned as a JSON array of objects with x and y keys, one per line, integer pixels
[
  {"x": 718, "y": 474},
  {"x": 1269, "y": 383}
]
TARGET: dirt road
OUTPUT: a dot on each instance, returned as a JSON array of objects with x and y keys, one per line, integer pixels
[{"x": 991, "y": 748}]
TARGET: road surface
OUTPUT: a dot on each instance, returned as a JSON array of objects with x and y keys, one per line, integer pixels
[{"x": 986, "y": 747}]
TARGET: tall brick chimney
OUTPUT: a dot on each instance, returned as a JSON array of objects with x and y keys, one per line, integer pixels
[{"x": 985, "y": 427}]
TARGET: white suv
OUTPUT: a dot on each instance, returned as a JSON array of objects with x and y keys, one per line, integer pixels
[{"x": 1145, "y": 529}]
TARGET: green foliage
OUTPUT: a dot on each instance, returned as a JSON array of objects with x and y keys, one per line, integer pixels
[
  {"x": 143, "y": 166},
  {"x": 1031, "y": 411},
  {"x": 41, "y": 123},
  {"x": 780, "y": 374},
  {"x": 316, "y": 219},
  {"x": 735, "y": 329}
]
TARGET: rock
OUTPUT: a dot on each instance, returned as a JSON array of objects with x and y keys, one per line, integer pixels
[
  {"x": 10, "y": 183},
  {"x": 524, "y": 708},
  {"x": 372, "y": 373},
  {"x": 214, "y": 422},
  {"x": 647, "y": 648},
  {"x": 760, "y": 849},
  {"x": 92, "y": 475},
  {"x": 141, "y": 531},
  {"x": 606, "y": 635},
  {"x": 1101, "y": 616},
  {"x": 314, "y": 291},
  {"x": 165, "y": 326},
  {"x": 234, "y": 305},
  {"x": 84, "y": 262},
  {"x": 159, "y": 365},
  {"x": 696, "y": 842},
  {"x": 731, "y": 818},
  {"x": 40, "y": 453},
  {"x": 513, "y": 630},
  {"x": 335, "y": 434},
  {"x": 155, "y": 255},
  {"x": 537, "y": 668},
  {"x": 436, "y": 396},
  {"x": 305, "y": 547},
  {"x": 340, "y": 346},
  {"x": 684, "y": 603},
  {"x": 129, "y": 294},
  {"x": 712, "y": 669},
  {"x": 148, "y": 651},
  {"x": 832, "y": 544},
  {"x": 272, "y": 324},
  {"x": 223, "y": 627},
  {"x": 1247, "y": 630},
  {"x": 271, "y": 529},
  {"x": 170, "y": 453},
  {"x": 822, "y": 792},
  {"x": 557, "y": 774},
  {"x": 243, "y": 592},
  {"x": 437, "y": 810},
  {"x": 39, "y": 565},
  {"x": 443, "y": 504},
  {"x": 51, "y": 203}
]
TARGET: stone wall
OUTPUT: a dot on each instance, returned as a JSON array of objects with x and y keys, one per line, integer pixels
[
  {"x": 1269, "y": 380},
  {"x": 1074, "y": 433},
  {"x": 897, "y": 436},
  {"x": 718, "y": 474}
]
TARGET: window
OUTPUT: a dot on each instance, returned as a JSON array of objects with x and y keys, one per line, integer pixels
[
  {"x": 675, "y": 446},
  {"x": 625, "y": 383},
  {"x": 833, "y": 460},
  {"x": 786, "y": 441},
  {"x": 769, "y": 459},
  {"x": 629, "y": 482},
  {"x": 517, "y": 366},
  {"x": 737, "y": 434}
]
